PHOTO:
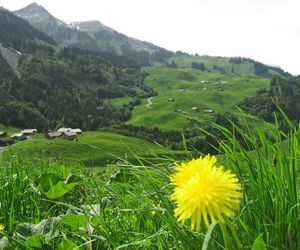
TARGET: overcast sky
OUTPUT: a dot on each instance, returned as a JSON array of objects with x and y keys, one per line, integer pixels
[{"x": 264, "y": 30}]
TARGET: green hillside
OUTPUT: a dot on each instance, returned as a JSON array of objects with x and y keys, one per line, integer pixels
[
  {"x": 9, "y": 129},
  {"x": 91, "y": 148},
  {"x": 183, "y": 89},
  {"x": 227, "y": 65}
]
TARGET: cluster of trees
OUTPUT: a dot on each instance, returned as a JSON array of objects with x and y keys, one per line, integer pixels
[
  {"x": 259, "y": 68},
  {"x": 199, "y": 66},
  {"x": 283, "y": 93},
  {"x": 205, "y": 140}
]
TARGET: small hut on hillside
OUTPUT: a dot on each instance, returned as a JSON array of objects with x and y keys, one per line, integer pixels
[
  {"x": 63, "y": 129},
  {"x": 208, "y": 111},
  {"x": 76, "y": 130},
  {"x": 29, "y": 131},
  {"x": 69, "y": 135},
  {"x": 19, "y": 136},
  {"x": 53, "y": 134}
]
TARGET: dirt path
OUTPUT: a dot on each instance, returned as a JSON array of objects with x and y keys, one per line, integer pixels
[{"x": 149, "y": 102}]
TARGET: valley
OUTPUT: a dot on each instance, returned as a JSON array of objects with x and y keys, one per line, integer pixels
[
  {"x": 186, "y": 94},
  {"x": 171, "y": 150}
]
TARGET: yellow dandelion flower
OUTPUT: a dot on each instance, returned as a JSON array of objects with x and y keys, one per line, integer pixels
[
  {"x": 204, "y": 192},
  {"x": 1, "y": 227}
]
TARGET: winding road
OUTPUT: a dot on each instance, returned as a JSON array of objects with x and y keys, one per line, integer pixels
[{"x": 149, "y": 102}]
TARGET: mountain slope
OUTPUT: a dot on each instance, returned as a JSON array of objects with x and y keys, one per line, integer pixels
[
  {"x": 111, "y": 40},
  {"x": 65, "y": 86},
  {"x": 61, "y": 33},
  {"x": 19, "y": 34},
  {"x": 226, "y": 65},
  {"x": 95, "y": 36},
  {"x": 91, "y": 35}
]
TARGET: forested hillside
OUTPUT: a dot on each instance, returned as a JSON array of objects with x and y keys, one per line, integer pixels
[
  {"x": 62, "y": 86},
  {"x": 283, "y": 93},
  {"x": 19, "y": 34},
  {"x": 68, "y": 87}
]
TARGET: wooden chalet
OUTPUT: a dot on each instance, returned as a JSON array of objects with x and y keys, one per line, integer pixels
[
  {"x": 29, "y": 131},
  {"x": 53, "y": 134},
  {"x": 76, "y": 130},
  {"x": 69, "y": 135},
  {"x": 19, "y": 136},
  {"x": 63, "y": 129}
]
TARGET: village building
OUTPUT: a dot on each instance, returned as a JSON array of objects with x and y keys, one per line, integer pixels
[
  {"x": 53, "y": 134},
  {"x": 204, "y": 81},
  {"x": 69, "y": 135},
  {"x": 3, "y": 134},
  {"x": 76, "y": 130},
  {"x": 63, "y": 129},
  {"x": 194, "y": 109},
  {"x": 208, "y": 110},
  {"x": 29, "y": 131},
  {"x": 19, "y": 136}
]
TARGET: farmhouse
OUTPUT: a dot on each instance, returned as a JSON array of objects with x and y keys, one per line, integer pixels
[
  {"x": 194, "y": 109},
  {"x": 63, "y": 129},
  {"x": 53, "y": 134},
  {"x": 29, "y": 131},
  {"x": 3, "y": 134},
  {"x": 69, "y": 135},
  {"x": 208, "y": 110},
  {"x": 204, "y": 81},
  {"x": 19, "y": 136},
  {"x": 76, "y": 130}
]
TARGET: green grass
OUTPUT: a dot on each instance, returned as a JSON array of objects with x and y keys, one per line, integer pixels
[
  {"x": 9, "y": 129},
  {"x": 119, "y": 101},
  {"x": 245, "y": 68},
  {"x": 94, "y": 149},
  {"x": 185, "y": 88},
  {"x": 48, "y": 205}
]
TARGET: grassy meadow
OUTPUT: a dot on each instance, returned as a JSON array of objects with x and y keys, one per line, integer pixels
[
  {"x": 108, "y": 191},
  {"x": 9, "y": 129},
  {"x": 182, "y": 89},
  {"x": 51, "y": 205},
  {"x": 92, "y": 149}
]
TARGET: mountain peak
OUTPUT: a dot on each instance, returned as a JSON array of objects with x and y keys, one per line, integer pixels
[
  {"x": 37, "y": 14},
  {"x": 34, "y": 7}
]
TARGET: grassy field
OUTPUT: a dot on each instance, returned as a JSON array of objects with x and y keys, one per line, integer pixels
[
  {"x": 47, "y": 205},
  {"x": 93, "y": 149},
  {"x": 245, "y": 68},
  {"x": 183, "y": 89},
  {"x": 10, "y": 130}
]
